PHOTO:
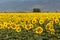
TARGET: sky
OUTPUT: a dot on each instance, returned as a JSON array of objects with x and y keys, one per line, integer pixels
[{"x": 28, "y": 5}]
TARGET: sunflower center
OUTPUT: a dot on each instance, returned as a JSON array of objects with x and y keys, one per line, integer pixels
[
  {"x": 8, "y": 25},
  {"x": 39, "y": 30},
  {"x": 28, "y": 26},
  {"x": 13, "y": 26}
]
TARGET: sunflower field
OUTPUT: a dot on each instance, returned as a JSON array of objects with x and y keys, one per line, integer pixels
[{"x": 30, "y": 26}]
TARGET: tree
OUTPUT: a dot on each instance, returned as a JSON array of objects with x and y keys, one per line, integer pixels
[{"x": 36, "y": 10}]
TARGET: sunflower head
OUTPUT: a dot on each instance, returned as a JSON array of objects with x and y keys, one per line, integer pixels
[
  {"x": 49, "y": 26},
  {"x": 18, "y": 29},
  {"x": 52, "y": 31},
  {"x": 7, "y": 25},
  {"x": 38, "y": 30},
  {"x": 41, "y": 21},
  {"x": 56, "y": 21},
  {"x": 29, "y": 26},
  {"x": 23, "y": 25},
  {"x": 1, "y": 26},
  {"x": 34, "y": 21},
  {"x": 13, "y": 26}
]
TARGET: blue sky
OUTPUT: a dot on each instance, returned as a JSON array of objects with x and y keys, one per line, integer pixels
[{"x": 28, "y": 5}]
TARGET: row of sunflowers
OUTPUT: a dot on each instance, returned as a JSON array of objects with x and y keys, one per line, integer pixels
[{"x": 39, "y": 25}]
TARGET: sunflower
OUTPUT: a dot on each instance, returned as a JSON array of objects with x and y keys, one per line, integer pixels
[
  {"x": 13, "y": 26},
  {"x": 56, "y": 21},
  {"x": 38, "y": 30},
  {"x": 59, "y": 24},
  {"x": 29, "y": 26},
  {"x": 52, "y": 31},
  {"x": 1, "y": 26},
  {"x": 18, "y": 30},
  {"x": 41, "y": 21},
  {"x": 34, "y": 21},
  {"x": 7, "y": 25},
  {"x": 23, "y": 25},
  {"x": 52, "y": 22},
  {"x": 28, "y": 20},
  {"x": 49, "y": 26}
]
